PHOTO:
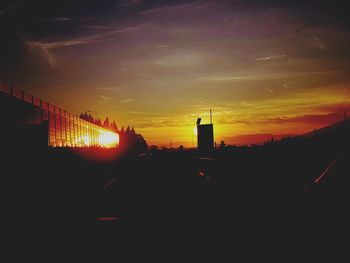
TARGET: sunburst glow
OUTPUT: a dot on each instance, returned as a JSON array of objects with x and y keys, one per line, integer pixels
[{"x": 109, "y": 139}]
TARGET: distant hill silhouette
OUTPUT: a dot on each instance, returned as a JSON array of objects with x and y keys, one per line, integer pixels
[
  {"x": 328, "y": 129},
  {"x": 249, "y": 139},
  {"x": 260, "y": 138}
]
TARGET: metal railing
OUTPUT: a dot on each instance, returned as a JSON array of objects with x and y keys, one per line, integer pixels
[{"x": 64, "y": 129}]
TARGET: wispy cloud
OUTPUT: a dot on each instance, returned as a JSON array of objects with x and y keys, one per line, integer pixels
[
  {"x": 63, "y": 43},
  {"x": 44, "y": 51},
  {"x": 104, "y": 99},
  {"x": 111, "y": 88},
  {"x": 270, "y": 57},
  {"x": 318, "y": 43},
  {"x": 266, "y": 76},
  {"x": 46, "y": 48},
  {"x": 162, "y": 46},
  {"x": 181, "y": 58},
  {"x": 92, "y": 38},
  {"x": 270, "y": 91},
  {"x": 127, "y": 100}
]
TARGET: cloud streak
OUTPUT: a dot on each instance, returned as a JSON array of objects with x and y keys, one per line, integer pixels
[
  {"x": 270, "y": 58},
  {"x": 267, "y": 76},
  {"x": 44, "y": 51},
  {"x": 127, "y": 100}
]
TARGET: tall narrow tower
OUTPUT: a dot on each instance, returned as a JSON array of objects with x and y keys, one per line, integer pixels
[{"x": 205, "y": 135}]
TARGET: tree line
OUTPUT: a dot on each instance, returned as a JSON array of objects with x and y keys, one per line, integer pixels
[
  {"x": 129, "y": 140},
  {"x": 107, "y": 124}
]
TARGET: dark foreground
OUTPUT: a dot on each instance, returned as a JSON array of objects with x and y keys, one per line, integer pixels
[{"x": 277, "y": 199}]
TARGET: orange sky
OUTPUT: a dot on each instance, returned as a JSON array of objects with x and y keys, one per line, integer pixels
[{"x": 262, "y": 69}]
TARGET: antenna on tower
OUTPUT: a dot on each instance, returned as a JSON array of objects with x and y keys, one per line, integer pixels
[{"x": 211, "y": 117}]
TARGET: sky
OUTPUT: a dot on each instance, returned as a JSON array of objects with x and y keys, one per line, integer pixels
[{"x": 264, "y": 67}]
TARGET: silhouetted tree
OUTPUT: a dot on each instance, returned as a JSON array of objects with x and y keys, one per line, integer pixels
[
  {"x": 222, "y": 144},
  {"x": 114, "y": 126},
  {"x": 89, "y": 118},
  {"x": 106, "y": 123},
  {"x": 154, "y": 148},
  {"x": 98, "y": 122},
  {"x": 131, "y": 142}
]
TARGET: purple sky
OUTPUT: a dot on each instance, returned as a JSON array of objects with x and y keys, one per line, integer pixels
[{"x": 262, "y": 66}]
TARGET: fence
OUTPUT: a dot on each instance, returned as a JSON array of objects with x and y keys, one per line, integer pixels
[{"x": 65, "y": 129}]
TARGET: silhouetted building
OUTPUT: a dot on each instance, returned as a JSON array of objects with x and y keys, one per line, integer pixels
[{"x": 205, "y": 136}]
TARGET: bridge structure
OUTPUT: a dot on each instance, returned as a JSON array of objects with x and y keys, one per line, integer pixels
[{"x": 21, "y": 111}]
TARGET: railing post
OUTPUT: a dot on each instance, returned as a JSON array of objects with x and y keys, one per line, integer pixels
[
  {"x": 60, "y": 113},
  {"x": 70, "y": 129},
  {"x": 49, "y": 120},
  {"x": 33, "y": 110},
  {"x": 54, "y": 120},
  {"x": 73, "y": 141},
  {"x": 41, "y": 111}
]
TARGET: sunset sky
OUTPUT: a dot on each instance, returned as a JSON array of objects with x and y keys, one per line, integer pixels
[{"x": 263, "y": 67}]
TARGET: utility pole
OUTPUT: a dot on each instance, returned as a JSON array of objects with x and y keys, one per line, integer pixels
[{"x": 211, "y": 117}]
